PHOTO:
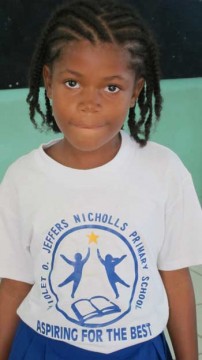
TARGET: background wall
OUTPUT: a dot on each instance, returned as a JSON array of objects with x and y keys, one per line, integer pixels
[{"x": 180, "y": 127}]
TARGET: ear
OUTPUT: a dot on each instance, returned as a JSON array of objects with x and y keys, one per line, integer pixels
[
  {"x": 136, "y": 91},
  {"x": 47, "y": 78}
]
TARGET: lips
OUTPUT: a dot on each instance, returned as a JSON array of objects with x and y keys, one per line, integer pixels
[{"x": 87, "y": 126}]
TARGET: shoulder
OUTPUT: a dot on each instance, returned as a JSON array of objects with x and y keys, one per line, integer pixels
[
  {"x": 21, "y": 166},
  {"x": 29, "y": 169},
  {"x": 168, "y": 161},
  {"x": 159, "y": 159},
  {"x": 162, "y": 154},
  {"x": 157, "y": 168},
  {"x": 22, "y": 170}
]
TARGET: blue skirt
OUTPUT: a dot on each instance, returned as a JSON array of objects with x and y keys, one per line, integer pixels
[{"x": 29, "y": 345}]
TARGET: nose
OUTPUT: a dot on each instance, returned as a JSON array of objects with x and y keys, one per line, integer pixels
[{"x": 90, "y": 100}]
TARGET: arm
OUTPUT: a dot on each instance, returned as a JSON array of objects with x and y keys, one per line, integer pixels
[
  {"x": 11, "y": 295},
  {"x": 87, "y": 256},
  {"x": 182, "y": 318},
  {"x": 99, "y": 257},
  {"x": 67, "y": 260},
  {"x": 118, "y": 260}
]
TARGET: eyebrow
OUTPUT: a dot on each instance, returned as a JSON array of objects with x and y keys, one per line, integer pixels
[
  {"x": 77, "y": 73},
  {"x": 114, "y": 77},
  {"x": 73, "y": 72}
]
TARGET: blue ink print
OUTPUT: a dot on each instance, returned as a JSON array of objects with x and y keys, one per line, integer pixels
[
  {"x": 109, "y": 264},
  {"x": 78, "y": 265},
  {"x": 91, "y": 287},
  {"x": 96, "y": 306}
]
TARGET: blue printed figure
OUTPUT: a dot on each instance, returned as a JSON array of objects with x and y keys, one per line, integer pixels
[
  {"x": 78, "y": 265},
  {"x": 109, "y": 263}
]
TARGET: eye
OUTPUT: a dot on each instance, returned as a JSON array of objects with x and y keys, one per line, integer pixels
[
  {"x": 112, "y": 89},
  {"x": 72, "y": 84}
]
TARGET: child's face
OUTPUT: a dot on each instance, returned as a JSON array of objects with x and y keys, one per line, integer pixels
[{"x": 92, "y": 88}]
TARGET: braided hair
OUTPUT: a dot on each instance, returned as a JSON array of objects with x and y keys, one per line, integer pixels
[{"x": 108, "y": 21}]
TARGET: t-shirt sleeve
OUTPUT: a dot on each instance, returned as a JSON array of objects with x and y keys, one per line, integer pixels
[
  {"x": 15, "y": 258},
  {"x": 182, "y": 245}
]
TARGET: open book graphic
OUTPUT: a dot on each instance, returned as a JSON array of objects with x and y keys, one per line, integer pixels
[{"x": 96, "y": 306}]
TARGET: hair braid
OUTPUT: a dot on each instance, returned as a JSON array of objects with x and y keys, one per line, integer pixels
[
  {"x": 49, "y": 114},
  {"x": 106, "y": 21},
  {"x": 34, "y": 83},
  {"x": 91, "y": 22}
]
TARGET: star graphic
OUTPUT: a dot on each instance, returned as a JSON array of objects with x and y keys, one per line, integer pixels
[{"x": 92, "y": 238}]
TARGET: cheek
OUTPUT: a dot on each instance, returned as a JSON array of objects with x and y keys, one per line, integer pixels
[
  {"x": 61, "y": 107},
  {"x": 127, "y": 99},
  {"x": 122, "y": 107}
]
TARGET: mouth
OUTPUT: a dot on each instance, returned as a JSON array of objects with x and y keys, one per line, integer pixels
[{"x": 88, "y": 126}]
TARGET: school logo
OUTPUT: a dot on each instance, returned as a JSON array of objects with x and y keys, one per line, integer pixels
[{"x": 89, "y": 275}]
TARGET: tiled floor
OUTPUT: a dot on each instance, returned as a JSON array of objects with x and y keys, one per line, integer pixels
[{"x": 196, "y": 274}]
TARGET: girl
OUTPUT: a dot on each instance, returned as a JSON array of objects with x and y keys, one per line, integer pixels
[{"x": 98, "y": 228}]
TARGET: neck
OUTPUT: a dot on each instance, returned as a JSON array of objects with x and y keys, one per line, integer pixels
[{"x": 83, "y": 160}]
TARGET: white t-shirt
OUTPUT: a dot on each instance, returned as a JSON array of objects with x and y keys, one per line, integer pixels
[{"x": 92, "y": 241}]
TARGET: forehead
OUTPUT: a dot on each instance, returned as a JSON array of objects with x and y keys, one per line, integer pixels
[{"x": 83, "y": 54}]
